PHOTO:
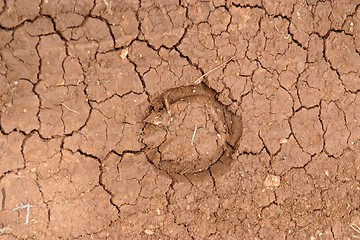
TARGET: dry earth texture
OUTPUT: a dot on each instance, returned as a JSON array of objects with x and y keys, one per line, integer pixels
[{"x": 164, "y": 119}]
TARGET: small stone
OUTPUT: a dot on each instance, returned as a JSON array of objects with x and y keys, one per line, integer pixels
[
  {"x": 272, "y": 181},
  {"x": 124, "y": 52},
  {"x": 148, "y": 232}
]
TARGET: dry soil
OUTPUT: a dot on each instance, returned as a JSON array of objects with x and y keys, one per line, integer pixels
[{"x": 164, "y": 119}]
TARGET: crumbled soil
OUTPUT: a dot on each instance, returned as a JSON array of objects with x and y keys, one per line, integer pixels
[{"x": 179, "y": 119}]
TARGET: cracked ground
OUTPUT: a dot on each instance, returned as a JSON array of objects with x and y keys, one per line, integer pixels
[{"x": 78, "y": 78}]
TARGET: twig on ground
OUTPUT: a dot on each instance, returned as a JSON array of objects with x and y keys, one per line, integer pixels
[
  {"x": 285, "y": 37},
  {"x": 356, "y": 229},
  {"x": 23, "y": 206},
  {"x": 72, "y": 110},
  {"x": 197, "y": 81},
  {"x": 193, "y": 136}
]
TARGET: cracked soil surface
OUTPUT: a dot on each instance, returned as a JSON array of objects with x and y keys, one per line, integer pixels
[{"x": 103, "y": 134}]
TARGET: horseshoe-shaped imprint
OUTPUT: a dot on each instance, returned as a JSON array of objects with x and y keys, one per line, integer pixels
[{"x": 189, "y": 130}]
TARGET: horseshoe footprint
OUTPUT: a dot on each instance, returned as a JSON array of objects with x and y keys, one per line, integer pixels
[{"x": 189, "y": 131}]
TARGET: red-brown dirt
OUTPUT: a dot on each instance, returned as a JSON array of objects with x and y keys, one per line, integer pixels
[{"x": 184, "y": 119}]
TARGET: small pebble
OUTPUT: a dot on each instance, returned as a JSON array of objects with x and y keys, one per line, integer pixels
[
  {"x": 148, "y": 232},
  {"x": 124, "y": 52},
  {"x": 272, "y": 181}
]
